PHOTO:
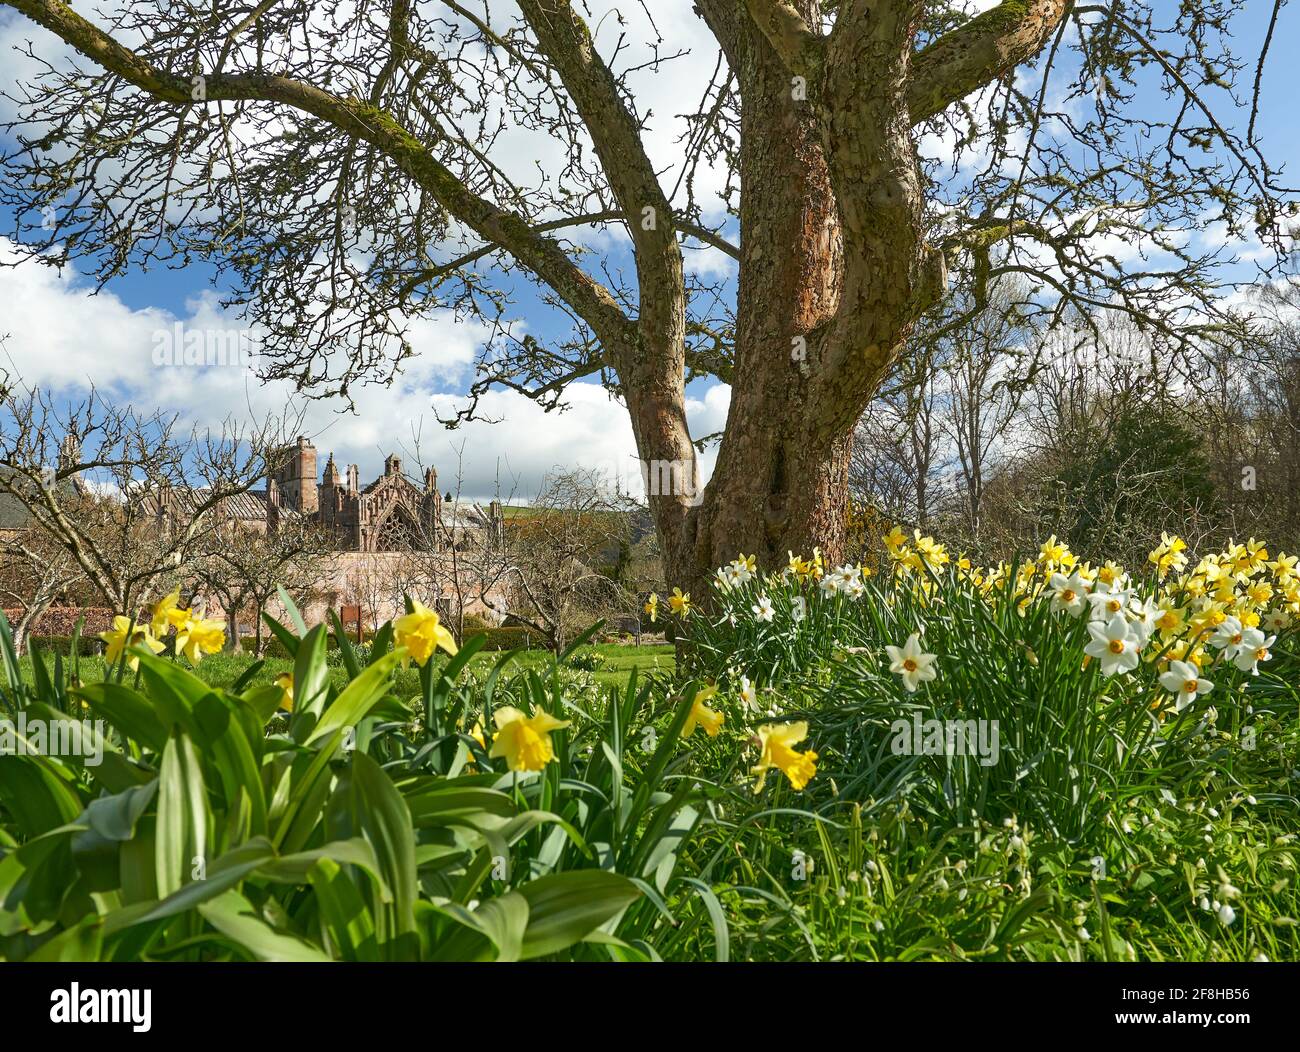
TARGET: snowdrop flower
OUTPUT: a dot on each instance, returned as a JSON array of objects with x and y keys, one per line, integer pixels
[
  {"x": 912, "y": 663},
  {"x": 1184, "y": 680},
  {"x": 763, "y": 609},
  {"x": 1069, "y": 593},
  {"x": 1252, "y": 650},
  {"x": 1226, "y": 914},
  {"x": 1115, "y": 644},
  {"x": 798, "y": 608}
]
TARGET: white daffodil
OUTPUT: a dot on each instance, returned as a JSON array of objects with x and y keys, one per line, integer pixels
[
  {"x": 1276, "y": 621},
  {"x": 740, "y": 572},
  {"x": 912, "y": 663},
  {"x": 798, "y": 608},
  {"x": 1114, "y": 644},
  {"x": 1069, "y": 594},
  {"x": 763, "y": 609},
  {"x": 1253, "y": 649},
  {"x": 1143, "y": 615},
  {"x": 722, "y": 578},
  {"x": 1184, "y": 679},
  {"x": 1107, "y": 601},
  {"x": 1228, "y": 637},
  {"x": 748, "y": 694},
  {"x": 830, "y": 584},
  {"x": 855, "y": 589}
]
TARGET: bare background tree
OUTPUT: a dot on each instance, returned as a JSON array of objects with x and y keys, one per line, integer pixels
[
  {"x": 242, "y": 567},
  {"x": 128, "y": 496},
  {"x": 35, "y": 573}
]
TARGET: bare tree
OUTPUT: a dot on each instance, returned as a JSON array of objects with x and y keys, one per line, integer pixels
[
  {"x": 242, "y": 566},
  {"x": 344, "y": 170},
  {"x": 555, "y": 559},
  {"x": 129, "y": 496},
  {"x": 34, "y": 573}
]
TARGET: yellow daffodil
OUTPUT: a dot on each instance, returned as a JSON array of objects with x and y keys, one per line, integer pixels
[
  {"x": 652, "y": 607},
  {"x": 1051, "y": 552},
  {"x": 680, "y": 602},
  {"x": 422, "y": 632},
  {"x": 126, "y": 633},
  {"x": 524, "y": 741},
  {"x": 285, "y": 682},
  {"x": 778, "y": 741},
  {"x": 199, "y": 636},
  {"x": 701, "y": 714},
  {"x": 895, "y": 539},
  {"x": 168, "y": 613}
]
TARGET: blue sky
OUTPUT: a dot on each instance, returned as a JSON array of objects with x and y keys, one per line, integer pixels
[{"x": 62, "y": 337}]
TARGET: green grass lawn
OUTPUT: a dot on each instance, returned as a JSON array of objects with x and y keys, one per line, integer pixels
[{"x": 221, "y": 670}]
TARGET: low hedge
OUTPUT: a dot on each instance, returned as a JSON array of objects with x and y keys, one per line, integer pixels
[
  {"x": 86, "y": 645},
  {"x": 511, "y": 637}
]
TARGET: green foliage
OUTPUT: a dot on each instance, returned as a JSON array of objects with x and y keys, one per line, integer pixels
[
  {"x": 1101, "y": 831},
  {"x": 363, "y": 825}
]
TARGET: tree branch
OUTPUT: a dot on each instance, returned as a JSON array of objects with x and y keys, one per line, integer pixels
[
  {"x": 985, "y": 48},
  {"x": 542, "y": 255}
]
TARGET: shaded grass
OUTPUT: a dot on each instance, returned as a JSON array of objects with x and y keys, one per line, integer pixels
[{"x": 615, "y": 665}]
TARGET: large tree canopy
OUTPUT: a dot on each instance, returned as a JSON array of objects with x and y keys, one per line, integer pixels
[{"x": 341, "y": 166}]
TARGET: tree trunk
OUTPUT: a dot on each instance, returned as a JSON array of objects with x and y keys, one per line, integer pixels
[{"x": 779, "y": 484}]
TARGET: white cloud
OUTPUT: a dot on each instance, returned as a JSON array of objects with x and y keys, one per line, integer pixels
[{"x": 69, "y": 339}]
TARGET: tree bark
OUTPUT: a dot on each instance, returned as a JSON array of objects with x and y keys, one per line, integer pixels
[{"x": 780, "y": 482}]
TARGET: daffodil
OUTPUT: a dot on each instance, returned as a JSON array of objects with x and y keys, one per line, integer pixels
[
  {"x": 422, "y": 632},
  {"x": 1052, "y": 551},
  {"x": 895, "y": 539},
  {"x": 1229, "y": 637},
  {"x": 1069, "y": 594},
  {"x": 680, "y": 602},
  {"x": 1115, "y": 644},
  {"x": 126, "y": 633},
  {"x": 912, "y": 663},
  {"x": 748, "y": 695},
  {"x": 285, "y": 682},
  {"x": 524, "y": 741},
  {"x": 778, "y": 741},
  {"x": 1108, "y": 600},
  {"x": 168, "y": 613},
  {"x": 1184, "y": 680},
  {"x": 1254, "y": 648},
  {"x": 763, "y": 609},
  {"x": 652, "y": 607},
  {"x": 702, "y": 715},
  {"x": 199, "y": 636}
]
